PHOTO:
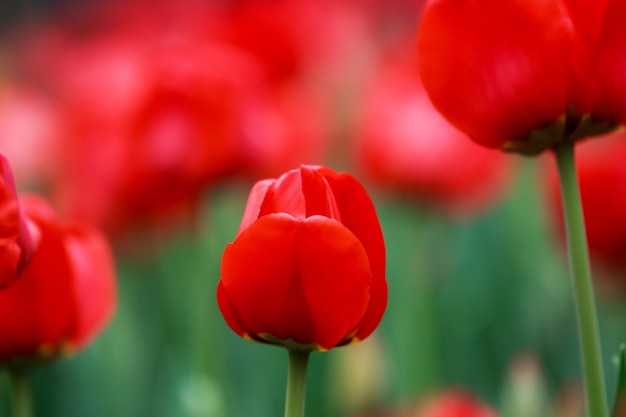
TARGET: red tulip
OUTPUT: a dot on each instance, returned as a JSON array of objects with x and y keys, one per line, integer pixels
[
  {"x": 523, "y": 75},
  {"x": 65, "y": 295},
  {"x": 602, "y": 178},
  {"x": 307, "y": 269},
  {"x": 163, "y": 125},
  {"x": 456, "y": 403},
  {"x": 404, "y": 144},
  {"x": 179, "y": 98},
  {"x": 16, "y": 243}
]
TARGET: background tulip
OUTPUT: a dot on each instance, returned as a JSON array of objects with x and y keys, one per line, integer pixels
[
  {"x": 456, "y": 403},
  {"x": 65, "y": 295},
  {"x": 308, "y": 265},
  {"x": 182, "y": 97},
  {"x": 404, "y": 145}
]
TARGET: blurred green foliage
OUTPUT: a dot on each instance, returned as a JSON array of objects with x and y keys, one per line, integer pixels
[{"x": 465, "y": 299}]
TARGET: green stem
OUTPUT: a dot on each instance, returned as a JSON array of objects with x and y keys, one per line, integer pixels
[
  {"x": 296, "y": 383},
  {"x": 21, "y": 393},
  {"x": 582, "y": 285}
]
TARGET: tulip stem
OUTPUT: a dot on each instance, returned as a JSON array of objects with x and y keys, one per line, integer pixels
[
  {"x": 581, "y": 280},
  {"x": 296, "y": 383},
  {"x": 21, "y": 393}
]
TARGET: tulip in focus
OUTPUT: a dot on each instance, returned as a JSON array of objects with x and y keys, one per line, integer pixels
[
  {"x": 307, "y": 268},
  {"x": 16, "y": 242},
  {"x": 65, "y": 296},
  {"x": 405, "y": 145},
  {"x": 524, "y": 75}
]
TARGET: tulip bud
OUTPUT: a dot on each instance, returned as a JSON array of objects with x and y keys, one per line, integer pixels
[{"x": 307, "y": 269}]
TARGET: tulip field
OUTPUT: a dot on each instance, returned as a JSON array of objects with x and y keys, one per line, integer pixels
[{"x": 256, "y": 208}]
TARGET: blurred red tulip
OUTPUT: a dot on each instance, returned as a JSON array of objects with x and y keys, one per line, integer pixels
[
  {"x": 65, "y": 295},
  {"x": 405, "y": 145},
  {"x": 456, "y": 403},
  {"x": 307, "y": 269},
  {"x": 523, "y": 75},
  {"x": 165, "y": 125},
  {"x": 29, "y": 128},
  {"x": 16, "y": 241},
  {"x": 602, "y": 179},
  {"x": 267, "y": 30},
  {"x": 159, "y": 108},
  {"x": 292, "y": 130}
]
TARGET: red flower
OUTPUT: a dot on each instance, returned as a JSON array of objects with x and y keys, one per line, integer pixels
[
  {"x": 176, "y": 103},
  {"x": 456, "y": 403},
  {"x": 404, "y": 144},
  {"x": 163, "y": 125},
  {"x": 602, "y": 179},
  {"x": 16, "y": 242},
  {"x": 65, "y": 295},
  {"x": 523, "y": 75},
  {"x": 307, "y": 269}
]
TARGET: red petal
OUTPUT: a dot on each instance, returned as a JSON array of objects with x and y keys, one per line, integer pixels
[
  {"x": 94, "y": 285},
  {"x": 336, "y": 277},
  {"x": 318, "y": 194},
  {"x": 285, "y": 196},
  {"x": 254, "y": 203},
  {"x": 37, "y": 311},
  {"x": 231, "y": 316},
  {"x": 586, "y": 17},
  {"x": 301, "y": 280},
  {"x": 606, "y": 85},
  {"x": 257, "y": 269},
  {"x": 359, "y": 215},
  {"x": 496, "y": 69}
]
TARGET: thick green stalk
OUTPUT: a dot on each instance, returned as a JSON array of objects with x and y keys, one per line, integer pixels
[
  {"x": 20, "y": 393},
  {"x": 296, "y": 383},
  {"x": 581, "y": 281}
]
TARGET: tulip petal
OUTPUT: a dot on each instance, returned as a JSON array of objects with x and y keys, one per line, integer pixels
[
  {"x": 254, "y": 204},
  {"x": 306, "y": 280},
  {"x": 93, "y": 276},
  {"x": 586, "y": 17},
  {"x": 256, "y": 272},
  {"x": 509, "y": 74},
  {"x": 337, "y": 279},
  {"x": 318, "y": 194},
  {"x": 359, "y": 215},
  {"x": 37, "y": 309},
  {"x": 606, "y": 95},
  {"x": 285, "y": 196},
  {"x": 229, "y": 311}
]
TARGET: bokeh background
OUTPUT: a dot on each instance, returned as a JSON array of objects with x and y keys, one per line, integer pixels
[{"x": 152, "y": 120}]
